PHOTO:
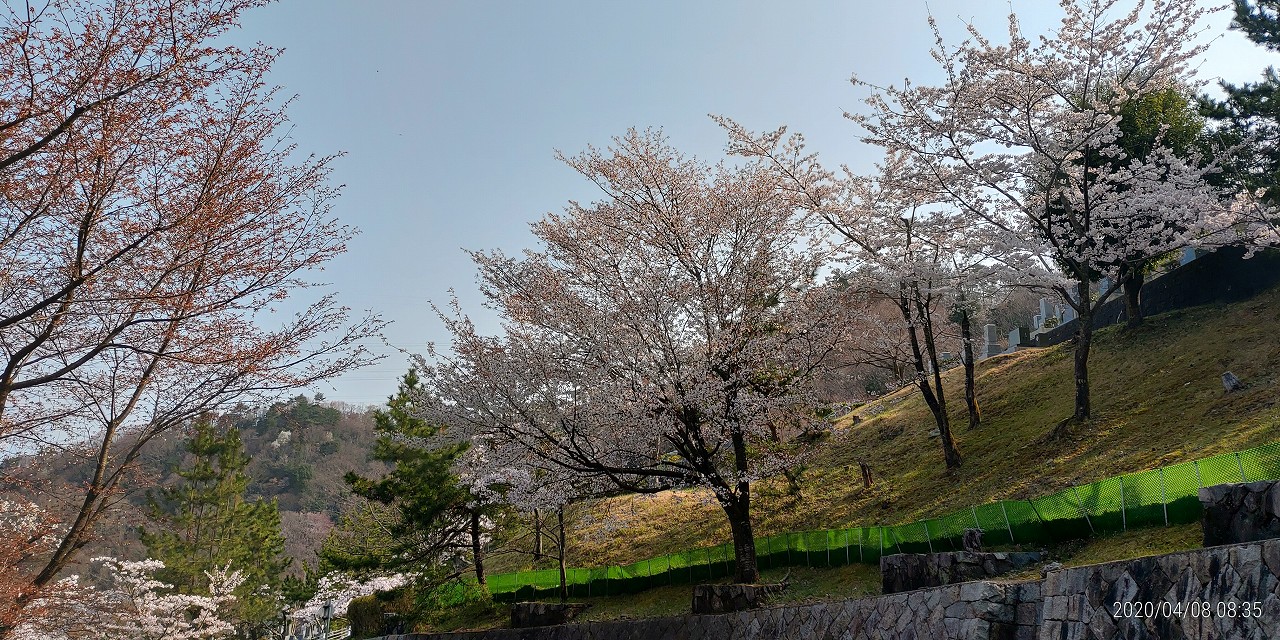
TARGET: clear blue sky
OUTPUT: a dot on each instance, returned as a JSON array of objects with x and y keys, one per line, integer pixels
[{"x": 450, "y": 112}]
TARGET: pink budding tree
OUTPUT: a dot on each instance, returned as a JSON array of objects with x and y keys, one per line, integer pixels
[
  {"x": 666, "y": 335},
  {"x": 1025, "y": 136}
]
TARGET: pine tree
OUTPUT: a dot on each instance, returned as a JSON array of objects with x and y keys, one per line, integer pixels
[
  {"x": 420, "y": 507},
  {"x": 204, "y": 522},
  {"x": 1253, "y": 108}
]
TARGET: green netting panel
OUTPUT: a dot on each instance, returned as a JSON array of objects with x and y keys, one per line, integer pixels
[
  {"x": 1100, "y": 502},
  {"x": 907, "y": 538},
  {"x": 842, "y": 547},
  {"x": 995, "y": 528},
  {"x": 1062, "y": 516},
  {"x": 948, "y": 531},
  {"x": 1182, "y": 488},
  {"x": 813, "y": 541},
  {"x": 771, "y": 552},
  {"x": 813, "y": 546},
  {"x": 1219, "y": 469},
  {"x": 790, "y": 542},
  {"x": 503, "y": 582},
  {"x": 1262, "y": 463},
  {"x": 1024, "y": 521},
  {"x": 934, "y": 537},
  {"x": 1144, "y": 499},
  {"x": 864, "y": 545}
]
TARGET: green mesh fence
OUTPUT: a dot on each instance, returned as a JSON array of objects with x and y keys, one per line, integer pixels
[{"x": 1158, "y": 497}]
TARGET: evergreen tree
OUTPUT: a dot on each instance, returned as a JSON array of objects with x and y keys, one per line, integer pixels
[
  {"x": 1253, "y": 108},
  {"x": 419, "y": 514},
  {"x": 204, "y": 522}
]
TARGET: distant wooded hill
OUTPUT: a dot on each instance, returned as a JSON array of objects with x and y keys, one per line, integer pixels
[{"x": 299, "y": 451}]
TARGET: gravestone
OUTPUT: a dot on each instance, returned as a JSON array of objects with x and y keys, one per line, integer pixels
[
  {"x": 991, "y": 345},
  {"x": 1047, "y": 311},
  {"x": 1037, "y": 321},
  {"x": 1019, "y": 337}
]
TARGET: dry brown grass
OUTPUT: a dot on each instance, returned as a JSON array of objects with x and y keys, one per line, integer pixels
[{"x": 1157, "y": 400}]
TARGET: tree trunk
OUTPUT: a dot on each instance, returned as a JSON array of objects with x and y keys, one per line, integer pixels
[
  {"x": 537, "y": 535},
  {"x": 746, "y": 569},
  {"x": 737, "y": 506},
  {"x": 970, "y": 392},
  {"x": 564, "y": 586},
  {"x": 933, "y": 398},
  {"x": 477, "y": 547},
  {"x": 1084, "y": 338},
  {"x": 1133, "y": 281}
]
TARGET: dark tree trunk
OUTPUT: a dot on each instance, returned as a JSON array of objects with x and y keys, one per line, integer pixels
[
  {"x": 1084, "y": 339},
  {"x": 737, "y": 506},
  {"x": 970, "y": 392},
  {"x": 746, "y": 570},
  {"x": 537, "y": 535},
  {"x": 1084, "y": 336},
  {"x": 1133, "y": 281},
  {"x": 564, "y": 585},
  {"x": 933, "y": 397},
  {"x": 477, "y": 547}
]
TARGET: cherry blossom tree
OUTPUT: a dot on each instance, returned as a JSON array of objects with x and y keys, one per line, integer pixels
[
  {"x": 139, "y": 607},
  {"x": 135, "y": 606},
  {"x": 1026, "y": 136},
  {"x": 901, "y": 242},
  {"x": 504, "y": 471},
  {"x": 26, "y": 532},
  {"x": 664, "y": 336},
  {"x": 339, "y": 589},
  {"x": 152, "y": 217}
]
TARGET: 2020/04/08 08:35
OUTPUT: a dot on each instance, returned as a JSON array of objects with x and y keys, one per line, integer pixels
[{"x": 1192, "y": 609}]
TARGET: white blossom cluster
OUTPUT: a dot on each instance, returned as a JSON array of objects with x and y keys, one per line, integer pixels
[
  {"x": 1025, "y": 137},
  {"x": 340, "y": 589},
  {"x": 135, "y": 607}
]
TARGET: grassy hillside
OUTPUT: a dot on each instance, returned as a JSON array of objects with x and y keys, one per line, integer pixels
[{"x": 1157, "y": 399}]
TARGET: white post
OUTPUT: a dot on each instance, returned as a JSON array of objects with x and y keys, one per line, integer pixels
[
  {"x": 328, "y": 617},
  {"x": 1164, "y": 500},
  {"x": 1006, "y": 521},
  {"x": 1080, "y": 507},
  {"x": 1124, "y": 519}
]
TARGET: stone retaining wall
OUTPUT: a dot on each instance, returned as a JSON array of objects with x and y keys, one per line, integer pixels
[
  {"x": 970, "y": 611},
  {"x": 1235, "y": 513},
  {"x": 910, "y": 571},
  {"x": 1223, "y": 593}
]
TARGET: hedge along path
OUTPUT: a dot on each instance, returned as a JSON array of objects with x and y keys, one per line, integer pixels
[{"x": 1158, "y": 497}]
